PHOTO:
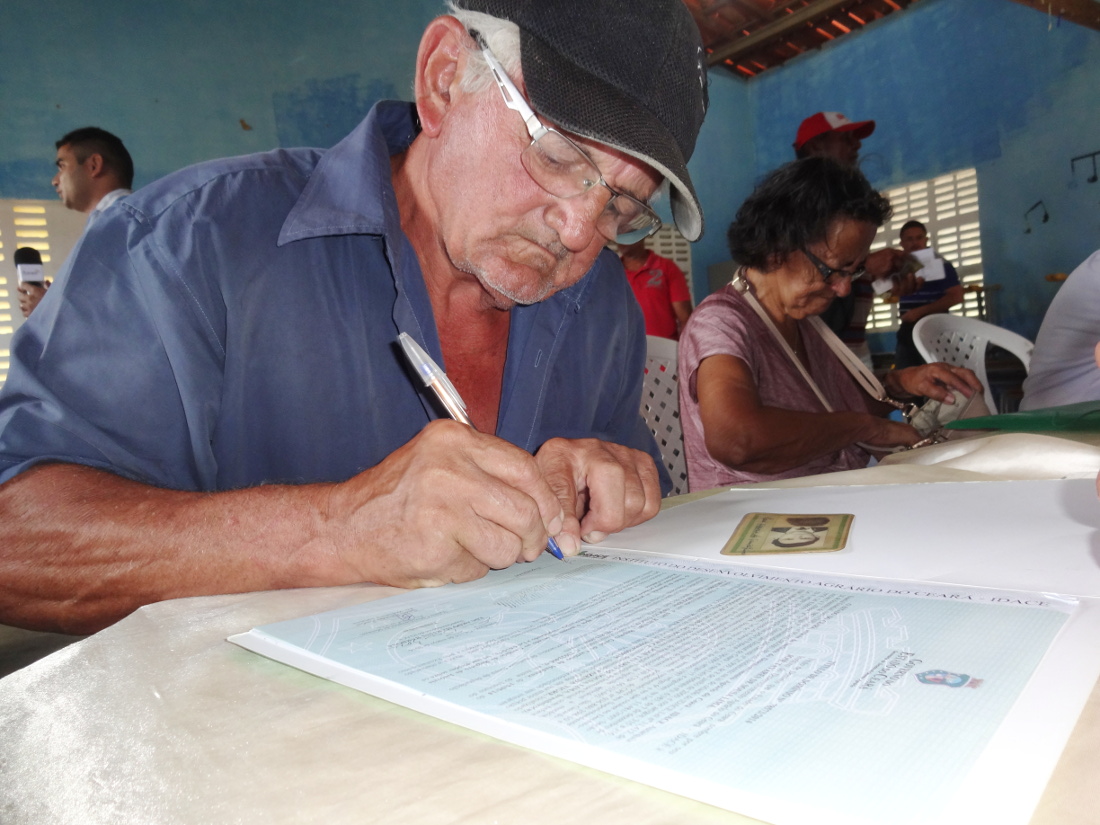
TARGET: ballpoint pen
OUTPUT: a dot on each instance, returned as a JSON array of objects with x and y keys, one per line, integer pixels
[{"x": 436, "y": 380}]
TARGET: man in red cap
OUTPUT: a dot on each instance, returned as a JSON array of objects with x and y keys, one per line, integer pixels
[{"x": 832, "y": 135}]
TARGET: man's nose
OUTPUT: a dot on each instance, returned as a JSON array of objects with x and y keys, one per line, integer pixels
[
  {"x": 574, "y": 219},
  {"x": 842, "y": 287}
]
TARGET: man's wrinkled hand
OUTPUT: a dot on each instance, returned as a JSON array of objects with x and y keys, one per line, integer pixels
[
  {"x": 603, "y": 487},
  {"x": 448, "y": 506}
]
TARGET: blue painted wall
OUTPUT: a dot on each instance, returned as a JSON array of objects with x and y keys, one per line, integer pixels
[
  {"x": 191, "y": 80},
  {"x": 723, "y": 169},
  {"x": 952, "y": 83}
]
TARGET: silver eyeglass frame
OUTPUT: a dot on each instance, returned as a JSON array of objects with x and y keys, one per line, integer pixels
[{"x": 536, "y": 129}]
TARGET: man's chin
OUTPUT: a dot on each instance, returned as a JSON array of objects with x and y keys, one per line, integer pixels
[
  {"x": 504, "y": 298},
  {"x": 525, "y": 276},
  {"x": 505, "y": 295}
]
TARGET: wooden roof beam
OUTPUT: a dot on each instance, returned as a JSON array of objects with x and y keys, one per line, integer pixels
[
  {"x": 808, "y": 14},
  {"x": 1082, "y": 12}
]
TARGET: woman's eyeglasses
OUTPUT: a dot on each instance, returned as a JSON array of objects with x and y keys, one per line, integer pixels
[{"x": 830, "y": 274}]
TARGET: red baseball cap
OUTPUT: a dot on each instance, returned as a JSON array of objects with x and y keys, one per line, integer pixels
[{"x": 824, "y": 122}]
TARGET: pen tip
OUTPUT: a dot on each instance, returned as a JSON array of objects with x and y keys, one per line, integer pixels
[{"x": 552, "y": 546}]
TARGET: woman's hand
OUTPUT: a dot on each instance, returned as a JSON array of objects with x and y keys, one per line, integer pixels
[
  {"x": 939, "y": 381},
  {"x": 887, "y": 433}
]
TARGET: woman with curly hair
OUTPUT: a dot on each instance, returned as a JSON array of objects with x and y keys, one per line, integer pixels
[{"x": 764, "y": 394}]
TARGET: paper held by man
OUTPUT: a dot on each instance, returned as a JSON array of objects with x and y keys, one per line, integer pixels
[{"x": 786, "y": 695}]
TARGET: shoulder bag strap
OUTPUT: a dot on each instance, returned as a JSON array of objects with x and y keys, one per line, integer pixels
[
  {"x": 741, "y": 284},
  {"x": 864, "y": 377}
]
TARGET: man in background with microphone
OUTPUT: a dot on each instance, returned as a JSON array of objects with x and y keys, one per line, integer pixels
[
  {"x": 94, "y": 169},
  {"x": 32, "y": 281}
]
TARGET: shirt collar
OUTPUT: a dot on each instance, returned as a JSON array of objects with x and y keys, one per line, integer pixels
[
  {"x": 351, "y": 191},
  {"x": 110, "y": 198}
]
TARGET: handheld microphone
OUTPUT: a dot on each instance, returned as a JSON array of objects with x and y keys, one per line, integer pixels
[{"x": 28, "y": 263}]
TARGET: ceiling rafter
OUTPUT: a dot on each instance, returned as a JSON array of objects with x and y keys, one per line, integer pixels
[
  {"x": 1082, "y": 12},
  {"x": 777, "y": 29},
  {"x": 747, "y": 37},
  {"x": 751, "y": 36}
]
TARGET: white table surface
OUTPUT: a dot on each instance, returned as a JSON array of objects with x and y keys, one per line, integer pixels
[{"x": 158, "y": 719}]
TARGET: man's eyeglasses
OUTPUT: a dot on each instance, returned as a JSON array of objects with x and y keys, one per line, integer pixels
[
  {"x": 563, "y": 169},
  {"x": 830, "y": 275}
]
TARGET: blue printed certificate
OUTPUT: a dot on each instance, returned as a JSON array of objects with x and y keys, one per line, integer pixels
[{"x": 794, "y": 696}]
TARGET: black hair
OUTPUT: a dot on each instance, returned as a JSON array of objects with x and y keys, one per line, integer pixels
[
  {"x": 91, "y": 140},
  {"x": 913, "y": 225},
  {"x": 793, "y": 207}
]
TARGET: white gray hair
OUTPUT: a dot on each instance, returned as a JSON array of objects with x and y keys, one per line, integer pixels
[{"x": 502, "y": 37}]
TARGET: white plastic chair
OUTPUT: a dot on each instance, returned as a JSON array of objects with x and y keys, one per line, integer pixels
[
  {"x": 962, "y": 342},
  {"x": 661, "y": 407}
]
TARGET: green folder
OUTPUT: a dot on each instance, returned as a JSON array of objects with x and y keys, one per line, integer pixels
[{"x": 1081, "y": 417}]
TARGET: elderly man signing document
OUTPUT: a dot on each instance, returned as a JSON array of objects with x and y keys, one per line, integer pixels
[{"x": 216, "y": 402}]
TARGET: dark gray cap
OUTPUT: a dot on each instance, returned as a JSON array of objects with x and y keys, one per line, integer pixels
[{"x": 626, "y": 73}]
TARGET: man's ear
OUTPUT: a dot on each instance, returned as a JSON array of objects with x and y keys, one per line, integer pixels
[
  {"x": 439, "y": 63},
  {"x": 93, "y": 165}
]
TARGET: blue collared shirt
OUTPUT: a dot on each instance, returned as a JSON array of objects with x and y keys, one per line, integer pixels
[{"x": 235, "y": 324}]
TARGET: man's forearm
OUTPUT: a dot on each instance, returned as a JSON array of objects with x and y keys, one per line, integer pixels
[
  {"x": 952, "y": 297},
  {"x": 682, "y": 309},
  {"x": 936, "y": 307},
  {"x": 81, "y": 548}
]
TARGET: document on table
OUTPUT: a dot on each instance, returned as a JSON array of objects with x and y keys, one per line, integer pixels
[
  {"x": 1016, "y": 535},
  {"x": 789, "y": 697}
]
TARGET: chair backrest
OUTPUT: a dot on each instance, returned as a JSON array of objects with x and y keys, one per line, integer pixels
[
  {"x": 661, "y": 407},
  {"x": 962, "y": 342}
]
